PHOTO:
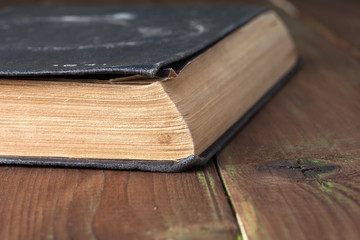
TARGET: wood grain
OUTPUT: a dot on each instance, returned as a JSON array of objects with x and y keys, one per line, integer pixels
[
  {"x": 294, "y": 171},
  {"x": 55, "y": 203},
  {"x": 338, "y": 21}
]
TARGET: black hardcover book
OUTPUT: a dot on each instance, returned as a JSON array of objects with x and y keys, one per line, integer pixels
[{"x": 148, "y": 87}]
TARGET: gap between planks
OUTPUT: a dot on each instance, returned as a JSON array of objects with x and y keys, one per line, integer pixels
[{"x": 241, "y": 229}]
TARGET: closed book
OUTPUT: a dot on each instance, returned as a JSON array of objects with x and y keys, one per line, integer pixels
[{"x": 122, "y": 87}]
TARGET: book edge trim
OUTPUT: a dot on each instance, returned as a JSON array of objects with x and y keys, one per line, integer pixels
[{"x": 187, "y": 163}]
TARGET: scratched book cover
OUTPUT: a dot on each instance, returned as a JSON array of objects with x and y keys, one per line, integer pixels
[{"x": 64, "y": 40}]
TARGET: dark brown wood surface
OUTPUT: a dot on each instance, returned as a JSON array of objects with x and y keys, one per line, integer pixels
[
  {"x": 294, "y": 171},
  {"x": 291, "y": 173},
  {"x": 337, "y": 20},
  {"x": 56, "y": 203}
]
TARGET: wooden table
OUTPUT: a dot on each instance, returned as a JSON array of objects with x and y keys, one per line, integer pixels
[{"x": 292, "y": 173}]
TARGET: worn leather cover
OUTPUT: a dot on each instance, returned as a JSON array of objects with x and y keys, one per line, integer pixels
[{"x": 64, "y": 40}]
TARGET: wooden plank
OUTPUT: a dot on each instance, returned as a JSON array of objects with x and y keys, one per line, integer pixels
[
  {"x": 55, "y": 203},
  {"x": 337, "y": 20},
  {"x": 294, "y": 171}
]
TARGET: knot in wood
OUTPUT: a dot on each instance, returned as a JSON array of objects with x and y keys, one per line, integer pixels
[{"x": 302, "y": 168}]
